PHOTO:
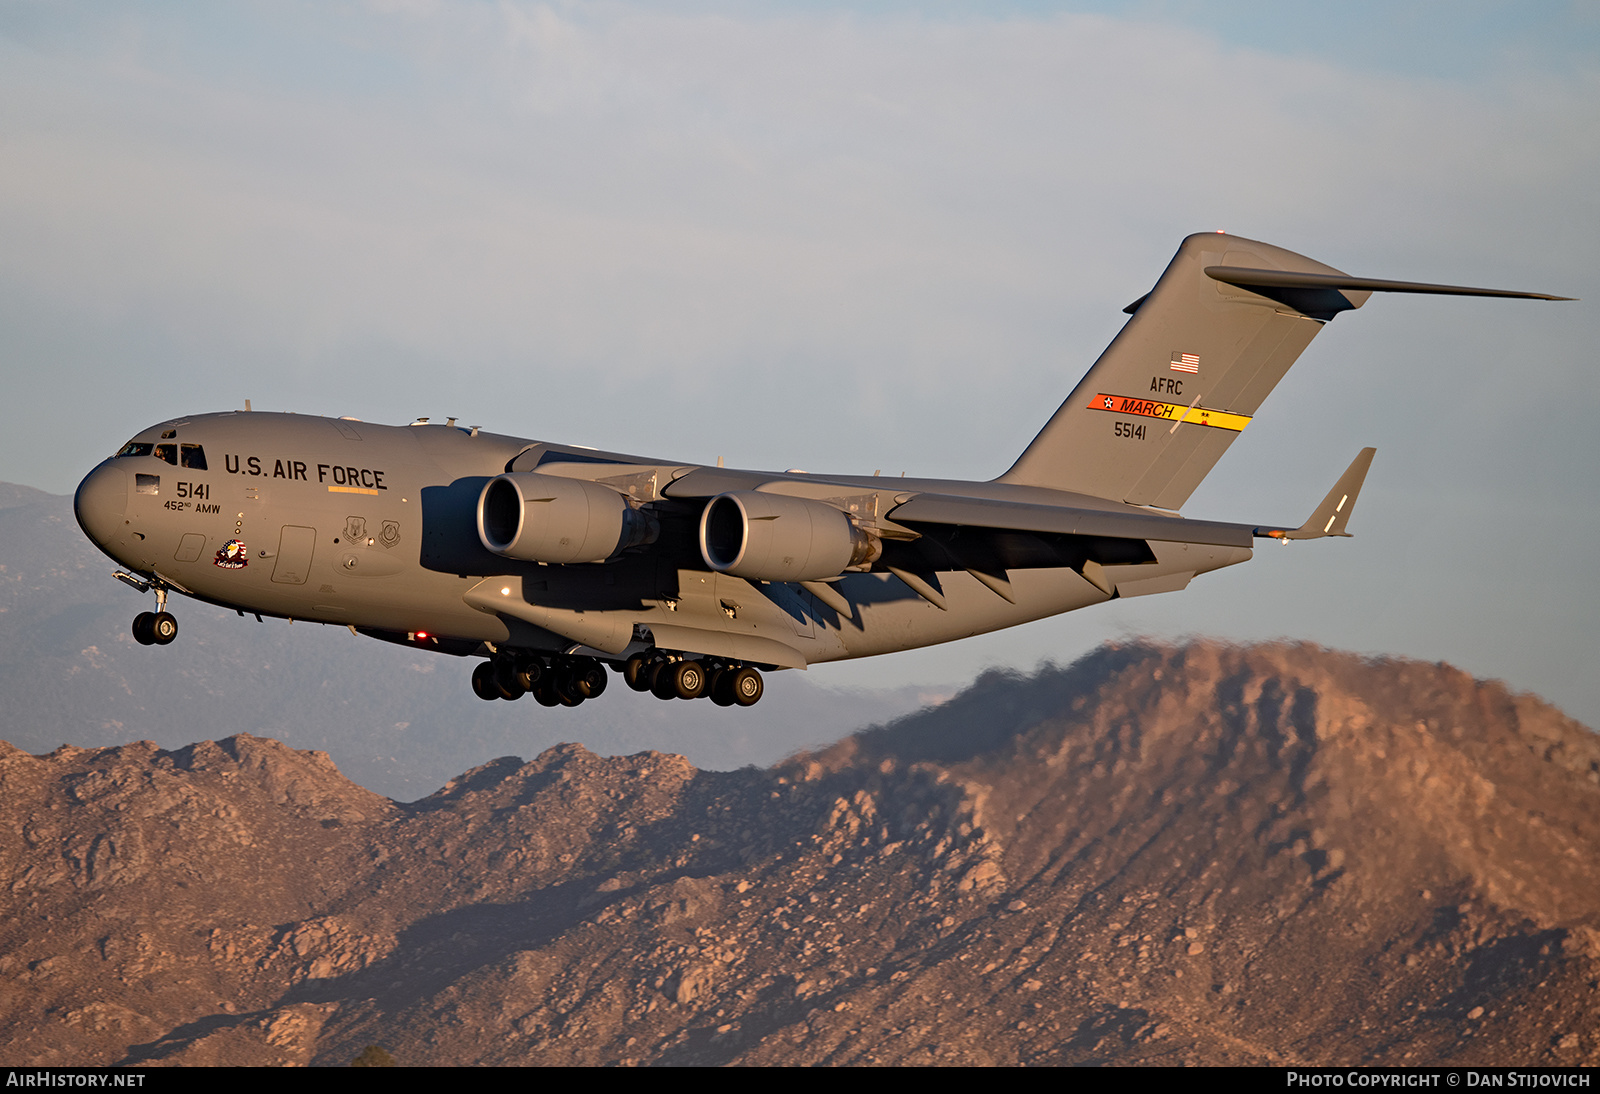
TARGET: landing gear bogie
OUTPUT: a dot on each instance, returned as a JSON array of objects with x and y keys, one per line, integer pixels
[{"x": 557, "y": 680}]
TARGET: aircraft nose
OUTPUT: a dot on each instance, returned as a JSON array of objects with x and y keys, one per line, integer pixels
[{"x": 101, "y": 500}]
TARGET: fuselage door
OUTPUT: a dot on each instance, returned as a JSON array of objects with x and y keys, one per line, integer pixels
[{"x": 295, "y": 545}]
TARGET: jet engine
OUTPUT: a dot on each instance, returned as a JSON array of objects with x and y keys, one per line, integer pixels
[
  {"x": 774, "y": 537},
  {"x": 542, "y": 518}
]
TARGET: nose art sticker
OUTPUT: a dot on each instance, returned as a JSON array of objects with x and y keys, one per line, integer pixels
[{"x": 233, "y": 555}]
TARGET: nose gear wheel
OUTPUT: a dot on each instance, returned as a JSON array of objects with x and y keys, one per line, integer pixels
[{"x": 157, "y": 628}]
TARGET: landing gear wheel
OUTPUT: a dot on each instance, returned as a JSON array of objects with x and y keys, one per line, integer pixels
[
  {"x": 528, "y": 675},
  {"x": 483, "y": 685},
  {"x": 544, "y": 692},
  {"x": 589, "y": 680},
  {"x": 639, "y": 672},
  {"x": 505, "y": 680},
  {"x": 720, "y": 688},
  {"x": 567, "y": 690},
  {"x": 747, "y": 687},
  {"x": 163, "y": 628},
  {"x": 662, "y": 685},
  {"x": 144, "y": 631},
  {"x": 688, "y": 679}
]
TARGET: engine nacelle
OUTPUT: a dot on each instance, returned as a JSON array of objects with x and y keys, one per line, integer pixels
[
  {"x": 543, "y": 518},
  {"x": 774, "y": 537}
]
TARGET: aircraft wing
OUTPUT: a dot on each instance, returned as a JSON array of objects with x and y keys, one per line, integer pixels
[
  {"x": 1328, "y": 519},
  {"x": 1060, "y": 520}
]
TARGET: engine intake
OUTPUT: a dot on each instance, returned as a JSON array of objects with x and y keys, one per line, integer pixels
[
  {"x": 774, "y": 537},
  {"x": 542, "y": 518}
]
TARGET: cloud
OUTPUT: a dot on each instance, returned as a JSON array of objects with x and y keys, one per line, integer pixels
[{"x": 659, "y": 195}]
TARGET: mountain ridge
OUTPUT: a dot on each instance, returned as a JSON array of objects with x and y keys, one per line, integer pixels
[{"x": 1196, "y": 853}]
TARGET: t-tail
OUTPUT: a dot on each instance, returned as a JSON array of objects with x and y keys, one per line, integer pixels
[{"x": 1190, "y": 369}]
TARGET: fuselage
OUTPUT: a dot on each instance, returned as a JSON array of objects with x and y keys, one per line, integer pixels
[{"x": 375, "y": 527}]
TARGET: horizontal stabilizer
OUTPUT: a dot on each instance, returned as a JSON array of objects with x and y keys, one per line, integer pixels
[
  {"x": 1324, "y": 295},
  {"x": 1291, "y": 279},
  {"x": 1333, "y": 514}
]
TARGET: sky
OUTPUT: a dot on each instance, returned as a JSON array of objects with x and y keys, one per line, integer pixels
[{"x": 847, "y": 237}]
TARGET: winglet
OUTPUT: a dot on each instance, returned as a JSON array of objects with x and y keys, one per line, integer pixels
[{"x": 1333, "y": 514}]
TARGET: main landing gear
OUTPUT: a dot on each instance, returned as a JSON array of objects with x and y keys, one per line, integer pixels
[
  {"x": 726, "y": 683},
  {"x": 568, "y": 681},
  {"x": 157, "y": 628},
  {"x": 560, "y": 682}
]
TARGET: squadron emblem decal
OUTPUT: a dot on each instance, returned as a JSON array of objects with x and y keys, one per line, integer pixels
[{"x": 233, "y": 555}]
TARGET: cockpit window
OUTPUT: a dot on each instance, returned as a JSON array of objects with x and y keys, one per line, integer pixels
[{"x": 179, "y": 455}]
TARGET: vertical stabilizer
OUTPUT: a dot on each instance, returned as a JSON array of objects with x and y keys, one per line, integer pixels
[{"x": 1183, "y": 378}]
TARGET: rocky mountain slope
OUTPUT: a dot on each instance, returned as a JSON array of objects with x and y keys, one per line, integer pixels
[{"x": 1200, "y": 854}]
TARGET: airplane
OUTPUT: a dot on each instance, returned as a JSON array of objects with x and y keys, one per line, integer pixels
[{"x": 549, "y": 563}]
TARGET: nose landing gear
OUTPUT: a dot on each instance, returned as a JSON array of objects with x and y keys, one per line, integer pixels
[{"x": 157, "y": 628}]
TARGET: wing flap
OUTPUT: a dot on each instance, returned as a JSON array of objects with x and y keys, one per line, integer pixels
[
  {"x": 738, "y": 647},
  {"x": 1061, "y": 520}
]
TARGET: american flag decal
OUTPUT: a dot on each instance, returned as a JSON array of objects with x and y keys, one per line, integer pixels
[{"x": 1185, "y": 362}]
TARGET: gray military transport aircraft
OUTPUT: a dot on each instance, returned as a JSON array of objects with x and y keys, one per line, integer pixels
[{"x": 552, "y": 561}]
